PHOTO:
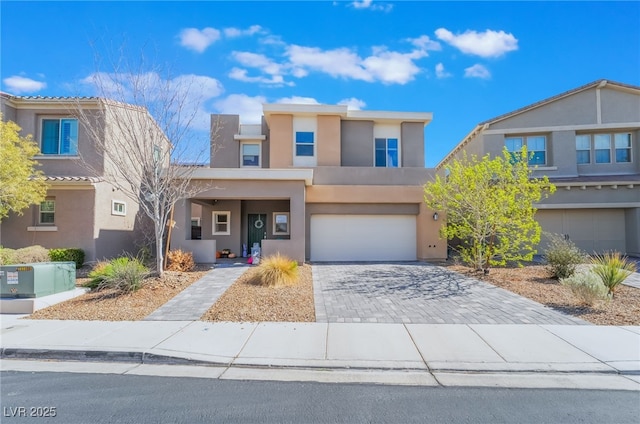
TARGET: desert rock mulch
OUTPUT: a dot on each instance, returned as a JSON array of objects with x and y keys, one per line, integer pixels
[
  {"x": 106, "y": 305},
  {"x": 534, "y": 282},
  {"x": 245, "y": 301}
]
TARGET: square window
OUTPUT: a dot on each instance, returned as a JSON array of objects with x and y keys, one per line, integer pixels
[
  {"x": 281, "y": 223},
  {"x": 221, "y": 223},
  {"x": 304, "y": 143},
  {"x": 118, "y": 208},
  {"x": 250, "y": 154},
  {"x": 386, "y": 152},
  {"x": 47, "y": 212},
  {"x": 59, "y": 137}
]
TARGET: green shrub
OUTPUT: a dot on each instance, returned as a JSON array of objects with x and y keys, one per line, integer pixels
[
  {"x": 67, "y": 255},
  {"x": 277, "y": 271},
  {"x": 587, "y": 287},
  {"x": 563, "y": 256},
  {"x": 31, "y": 254},
  {"x": 7, "y": 256},
  {"x": 123, "y": 275},
  {"x": 612, "y": 268}
]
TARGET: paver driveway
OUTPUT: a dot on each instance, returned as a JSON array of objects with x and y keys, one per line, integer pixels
[{"x": 419, "y": 293}]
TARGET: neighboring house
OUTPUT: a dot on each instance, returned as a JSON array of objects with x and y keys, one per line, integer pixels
[
  {"x": 314, "y": 182},
  {"x": 586, "y": 141},
  {"x": 82, "y": 209}
]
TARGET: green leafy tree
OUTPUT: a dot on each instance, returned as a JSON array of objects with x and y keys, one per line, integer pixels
[
  {"x": 489, "y": 207},
  {"x": 21, "y": 184}
]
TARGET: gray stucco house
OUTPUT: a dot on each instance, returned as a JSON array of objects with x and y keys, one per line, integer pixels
[
  {"x": 82, "y": 209},
  {"x": 586, "y": 141}
]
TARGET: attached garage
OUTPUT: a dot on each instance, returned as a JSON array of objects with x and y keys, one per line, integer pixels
[
  {"x": 592, "y": 230},
  {"x": 363, "y": 238}
]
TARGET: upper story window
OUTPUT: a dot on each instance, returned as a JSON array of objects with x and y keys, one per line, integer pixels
[
  {"x": 59, "y": 136},
  {"x": 250, "y": 153},
  {"x": 304, "y": 143},
  {"x": 603, "y": 145},
  {"x": 536, "y": 148},
  {"x": 47, "y": 212},
  {"x": 386, "y": 152},
  {"x": 118, "y": 208}
]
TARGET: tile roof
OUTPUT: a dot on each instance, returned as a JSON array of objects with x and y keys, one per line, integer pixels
[{"x": 53, "y": 178}]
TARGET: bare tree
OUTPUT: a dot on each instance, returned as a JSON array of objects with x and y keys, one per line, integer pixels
[{"x": 145, "y": 132}]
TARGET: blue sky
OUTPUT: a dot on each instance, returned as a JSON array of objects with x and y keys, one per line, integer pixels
[{"x": 465, "y": 62}]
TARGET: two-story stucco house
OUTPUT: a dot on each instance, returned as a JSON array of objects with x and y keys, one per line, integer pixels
[
  {"x": 586, "y": 141},
  {"x": 82, "y": 209},
  {"x": 314, "y": 182}
]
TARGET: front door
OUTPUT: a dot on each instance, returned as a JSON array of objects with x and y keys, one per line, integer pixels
[{"x": 257, "y": 229}]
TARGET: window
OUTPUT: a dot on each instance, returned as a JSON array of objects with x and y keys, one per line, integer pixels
[
  {"x": 195, "y": 222},
  {"x": 386, "y": 152},
  {"x": 536, "y": 148},
  {"x": 221, "y": 223},
  {"x": 623, "y": 147},
  {"x": 281, "y": 223},
  {"x": 59, "y": 137},
  {"x": 583, "y": 149},
  {"x": 250, "y": 154},
  {"x": 304, "y": 143},
  {"x": 47, "y": 212},
  {"x": 118, "y": 208},
  {"x": 602, "y": 144}
]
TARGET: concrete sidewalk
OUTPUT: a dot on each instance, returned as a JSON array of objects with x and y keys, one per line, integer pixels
[{"x": 440, "y": 353}]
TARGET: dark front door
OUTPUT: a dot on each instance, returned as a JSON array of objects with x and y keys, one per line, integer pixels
[{"x": 257, "y": 229}]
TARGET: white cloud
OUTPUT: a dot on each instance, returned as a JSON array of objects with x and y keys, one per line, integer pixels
[
  {"x": 20, "y": 85},
  {"x": 477, "y": 71},
  {"x": 425, "y": 43},
  {"x": 297, "y": 100},
  {"x": 386, "y": 66},
  {"x": 243, "y": 75},
  {"x": 484, "y": 44},
  {"x": 249, "y": 108},
  {"x": 236, "y": 32},
  {"x": 353, "y": 103},
  {"x": 198, "y": 40},
  {"x": 441, "y": 72},
  {"x": 260, "y": 61},
  {"x": 368, "y": 4}
]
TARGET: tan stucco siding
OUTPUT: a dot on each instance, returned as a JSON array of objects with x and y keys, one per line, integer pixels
[
  {"x": 225, "y": 150},
  {"x": 328, "y": 140},
  {"x": 281, "y": 141},
  {"x": 619, "y": 106}
]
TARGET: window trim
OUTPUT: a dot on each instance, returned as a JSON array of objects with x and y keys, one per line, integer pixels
[
  {"x": 281, "y": 233},
  {"x": 386, "y": 151},
  {"x": 247, "y": 143},
  {"x": 47, "y": 224},
  {"x": 524, "y": 141},
  {"x": 214, "y": 222},
  {"x": 59, "y": 118},
  {"x": 115, "y": 211}
]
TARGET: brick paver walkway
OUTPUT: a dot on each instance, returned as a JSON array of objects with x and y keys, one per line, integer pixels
[
  {"x": 195, "y": 300},
  {"x": 419, "y": 293}
]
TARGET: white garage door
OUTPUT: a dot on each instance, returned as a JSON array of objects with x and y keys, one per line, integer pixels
[
  {"x": 363, "y": 238},
  {"x": 592, "y": 230}
]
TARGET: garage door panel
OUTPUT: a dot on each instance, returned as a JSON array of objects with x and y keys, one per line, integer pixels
[{"x": 363, "y": 237}]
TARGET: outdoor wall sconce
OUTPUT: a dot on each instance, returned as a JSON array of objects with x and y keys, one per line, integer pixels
[{"x": 435, "y": 216}]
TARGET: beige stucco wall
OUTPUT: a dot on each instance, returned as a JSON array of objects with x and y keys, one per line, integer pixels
[
  {"x": 114, "y": 234},
  {"x": 281, "y": 141},
  {"x": 328, "y": 143}
]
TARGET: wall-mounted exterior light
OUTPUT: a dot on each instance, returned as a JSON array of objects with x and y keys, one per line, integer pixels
[{"x": 435, "y": 216}]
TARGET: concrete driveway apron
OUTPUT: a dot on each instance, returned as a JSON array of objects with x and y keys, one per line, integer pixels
[{"x": 419, "y": 293}]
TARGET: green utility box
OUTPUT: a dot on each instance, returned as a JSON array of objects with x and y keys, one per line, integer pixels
[{"x": 37, "y": 279}]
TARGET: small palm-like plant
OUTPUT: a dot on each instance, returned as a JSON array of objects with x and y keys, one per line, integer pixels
[{"x": 613, "y": 269}]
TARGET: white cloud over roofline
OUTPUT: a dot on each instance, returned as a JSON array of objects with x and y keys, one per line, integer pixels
[
  {"x": 484, "y": 44},
  {"x": 477, "y": 71},
  {"x": 198, "y": 39},
  {"x": 17, "y": 84},
  {"x": 249, "y": 108},
  {"x": 441, "y": 72}
]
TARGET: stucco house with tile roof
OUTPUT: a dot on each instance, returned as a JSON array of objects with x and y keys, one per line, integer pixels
[
  {"x": 314, "y": 182},
  {"x": 82, "y": 209},
  {"x": 586, "y": 140}
]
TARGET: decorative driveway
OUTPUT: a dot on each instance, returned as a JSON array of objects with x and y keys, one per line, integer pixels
[{"x": 419, "y": 293}]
